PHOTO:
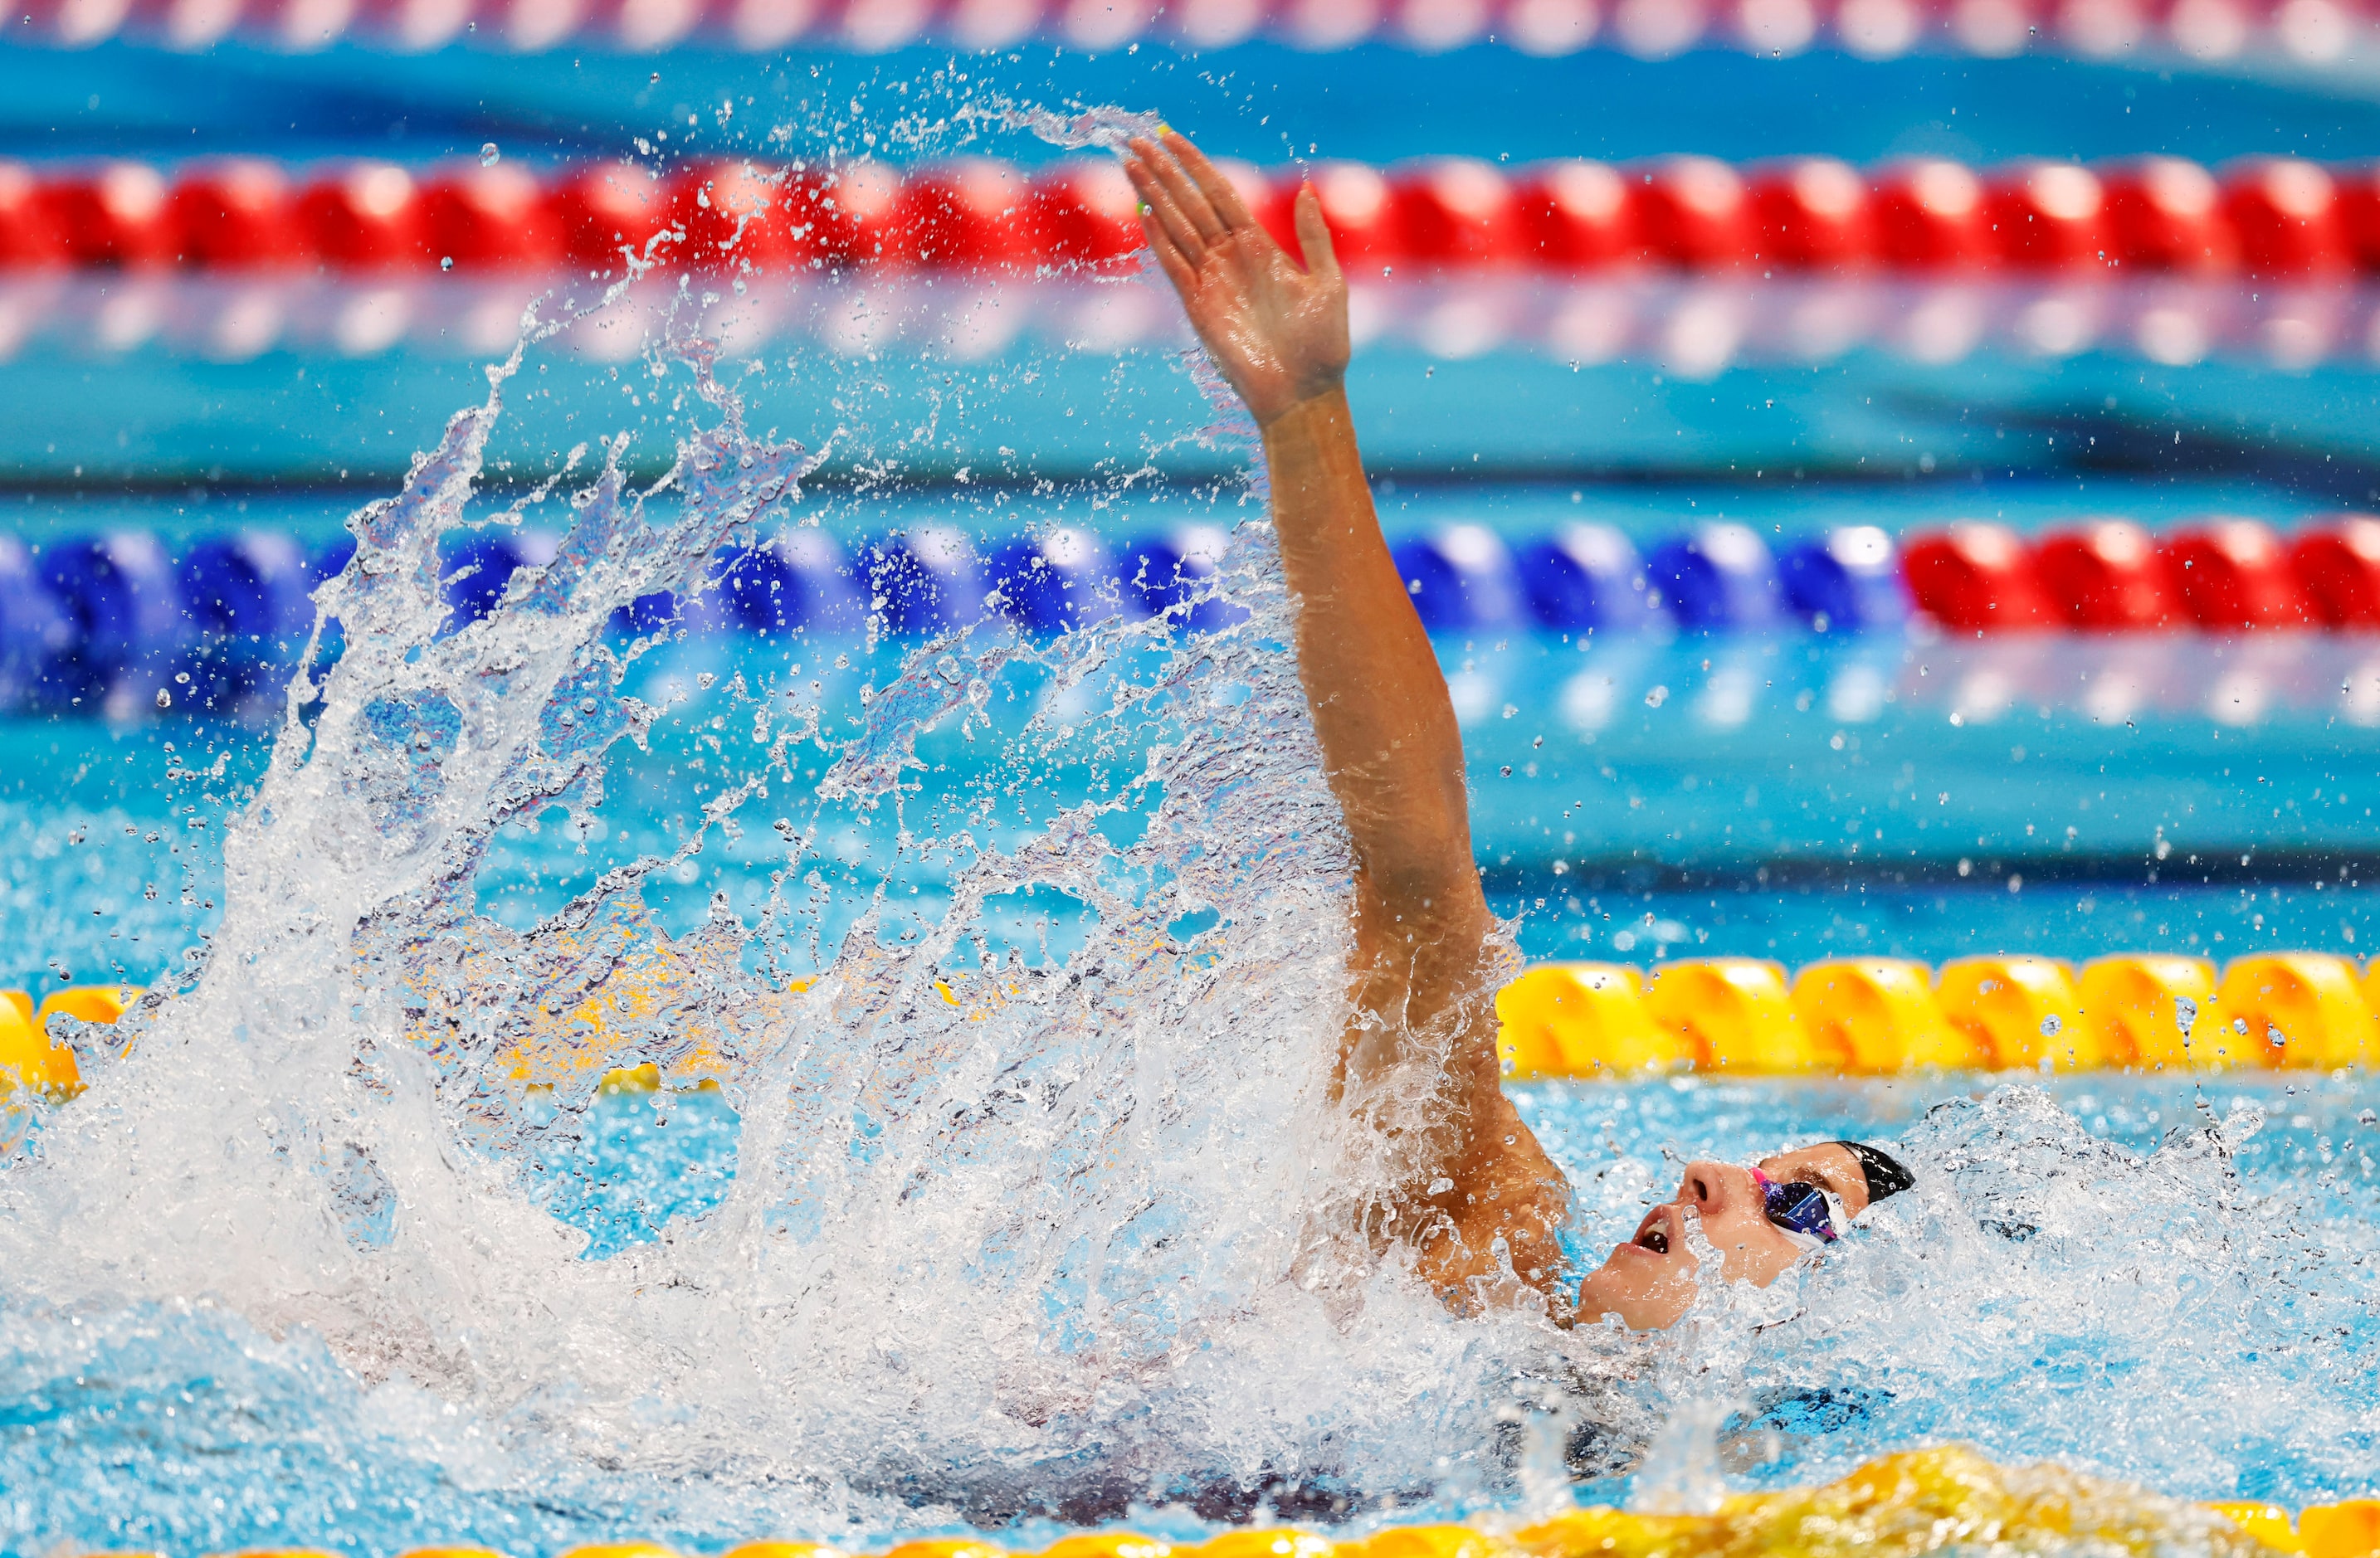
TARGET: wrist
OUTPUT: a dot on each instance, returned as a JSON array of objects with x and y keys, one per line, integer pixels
[{"x": 1324, "y": 402}]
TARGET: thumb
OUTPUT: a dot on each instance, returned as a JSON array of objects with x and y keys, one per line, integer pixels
[{"x": 1313, "y": 233}]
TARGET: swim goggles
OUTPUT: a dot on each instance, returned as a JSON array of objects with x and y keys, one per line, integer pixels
[{"x": 1811, "y": 1217}]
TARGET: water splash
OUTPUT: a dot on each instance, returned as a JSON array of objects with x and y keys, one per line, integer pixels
[
  {"x": 1108, "y": 128},
  {"x": 999, "y": 1238},
  {"x": 2148, "y": 1316}
]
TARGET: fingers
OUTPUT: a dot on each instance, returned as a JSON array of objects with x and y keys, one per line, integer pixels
[
  {"x": 1218, "y": 189},
  {"x": 1314, "y": 235},
  {"x": 1188, "y": 198},
  {"x": 1179, "y": 270},
  {"x": 1167, "y": 210}
]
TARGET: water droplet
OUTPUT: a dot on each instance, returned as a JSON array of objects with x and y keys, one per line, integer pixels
[
  {"x": 2367, "y": 1117},
  {"x": 164, "y": 698},
  {"x": 2050, "y": 1026},
  {"x": 2185, "y": 1015},
  {"x": 446, "y": 262},
  {"x": 489, "y": 155}
]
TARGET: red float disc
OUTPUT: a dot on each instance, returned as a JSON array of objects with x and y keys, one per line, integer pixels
[
  {"x": 968, "y": 215},
  {"x": 28, "y": 237},
  {"x": 364, "y": 217},
  {"x": 235, "y": 215},
  {"x": 2359, "y": 213},
  {"x": 739, "y": 216},
  {"x": 489, "y": 219},
  {"x": 1976, "y": 579},
  {"x": 1810, "y": 214},
  {"x": 1459, "y": 211},
  {"x": 1577, "y": 216},
  {"x": 1691, "y": 214},
  {"x": 2047, "y": 216},
  {"x": 2286, "y": 213},
  {"x": 2234, "y": 573},
  {"x": 112, "y": 215},
  {"x": 2337, "y": 566},
  {"x": 602, "y": 211},
  {"x": 858, "y": 207},
  {"x": 2108, "y": 577},
  {"x": 1084, "y": 213},
  {"x": 2166, "y": 214},
  {"x": 1930, "y": 216}
]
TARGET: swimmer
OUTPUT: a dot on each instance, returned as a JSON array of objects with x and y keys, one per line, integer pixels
[{"x": 1483, "y": 1200}]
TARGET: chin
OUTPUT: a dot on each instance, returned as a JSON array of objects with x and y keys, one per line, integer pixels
[{"x": 1647, "y": 1291}]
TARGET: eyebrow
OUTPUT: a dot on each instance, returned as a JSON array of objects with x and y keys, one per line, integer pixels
[{"x": 1827, "y": 1178}]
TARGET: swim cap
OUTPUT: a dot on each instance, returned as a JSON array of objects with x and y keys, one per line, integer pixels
[{"x": 1885, "y": 1175}]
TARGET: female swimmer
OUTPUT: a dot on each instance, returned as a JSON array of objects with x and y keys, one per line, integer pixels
[{"x": 1482, "y": 1200}]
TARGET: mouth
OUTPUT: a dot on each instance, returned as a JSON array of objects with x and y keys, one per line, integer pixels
[{"x": 1654, "y": 1233}]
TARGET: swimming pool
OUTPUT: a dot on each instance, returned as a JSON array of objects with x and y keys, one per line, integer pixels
[{"x": 1009, "y": 1210}]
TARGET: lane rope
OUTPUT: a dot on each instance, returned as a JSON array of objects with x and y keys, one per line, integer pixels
[
  {"x": 2267, "y": 218},
  {"x": 1923, "y": 1501},
  {"x": 2227, "y": 618},
  {"x": 2293, "y": 34},
  {"x": 1843, "y": 1016}
]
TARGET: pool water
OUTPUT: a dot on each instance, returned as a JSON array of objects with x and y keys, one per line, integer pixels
[
  {"x": 2098, "y": 1288},
  {"x": 1633, "y": 799}
]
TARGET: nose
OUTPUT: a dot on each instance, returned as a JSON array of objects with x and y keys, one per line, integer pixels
[{"x": 1707, "y": 1185}]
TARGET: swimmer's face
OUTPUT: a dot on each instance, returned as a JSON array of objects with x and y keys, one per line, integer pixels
[{"x": 1649, "y": 1281}]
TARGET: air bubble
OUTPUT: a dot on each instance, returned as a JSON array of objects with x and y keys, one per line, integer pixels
[{"x": 489, "y": 155}]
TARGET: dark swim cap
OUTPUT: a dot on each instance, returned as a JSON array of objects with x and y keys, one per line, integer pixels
[{"x": 1885, "y": 1175}]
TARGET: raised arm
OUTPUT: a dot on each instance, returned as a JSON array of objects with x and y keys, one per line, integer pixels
[{"x": 1424, "y": 975}]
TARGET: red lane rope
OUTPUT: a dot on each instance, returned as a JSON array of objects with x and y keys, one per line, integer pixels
[
  {"x": 2157, "y": 216},
  {"x": 2318, "y": 33},
  {"x": 2219, "y": 575}
]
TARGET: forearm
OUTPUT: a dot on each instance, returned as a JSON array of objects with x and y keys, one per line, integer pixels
[{"x": 1390, "y": 740}]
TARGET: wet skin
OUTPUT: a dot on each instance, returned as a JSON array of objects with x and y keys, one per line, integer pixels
[
  {"x": 1649, "y": 1281},
  {"x": 1481, "y": 1203}
]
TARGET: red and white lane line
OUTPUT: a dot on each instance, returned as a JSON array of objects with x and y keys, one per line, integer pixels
[
  {"x": 2322, "y": 34},
  {"x": 1684, "y": 261},
  {"x": 2265, "y": 219}
]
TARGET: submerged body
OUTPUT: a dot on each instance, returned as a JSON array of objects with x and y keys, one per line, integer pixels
[{"x": 1481, "y": 1203}]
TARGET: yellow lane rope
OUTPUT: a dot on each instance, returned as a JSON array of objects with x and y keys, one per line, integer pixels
[
  {"x": 1943, "y": 1500},
  {"x": 1876, "y": 1016},
  {"x": 1844, "y": 1016}
]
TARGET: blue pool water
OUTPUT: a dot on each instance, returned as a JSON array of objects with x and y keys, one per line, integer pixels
[
  {"x": 2244, "y": 1373},
  {"x": 1795, "y": 797}
]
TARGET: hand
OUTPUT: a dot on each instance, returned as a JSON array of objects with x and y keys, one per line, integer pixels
[{"x": 1277, "y": 333}]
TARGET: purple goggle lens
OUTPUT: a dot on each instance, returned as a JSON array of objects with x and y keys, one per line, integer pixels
[{"x": 1801, "y": 1210}]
